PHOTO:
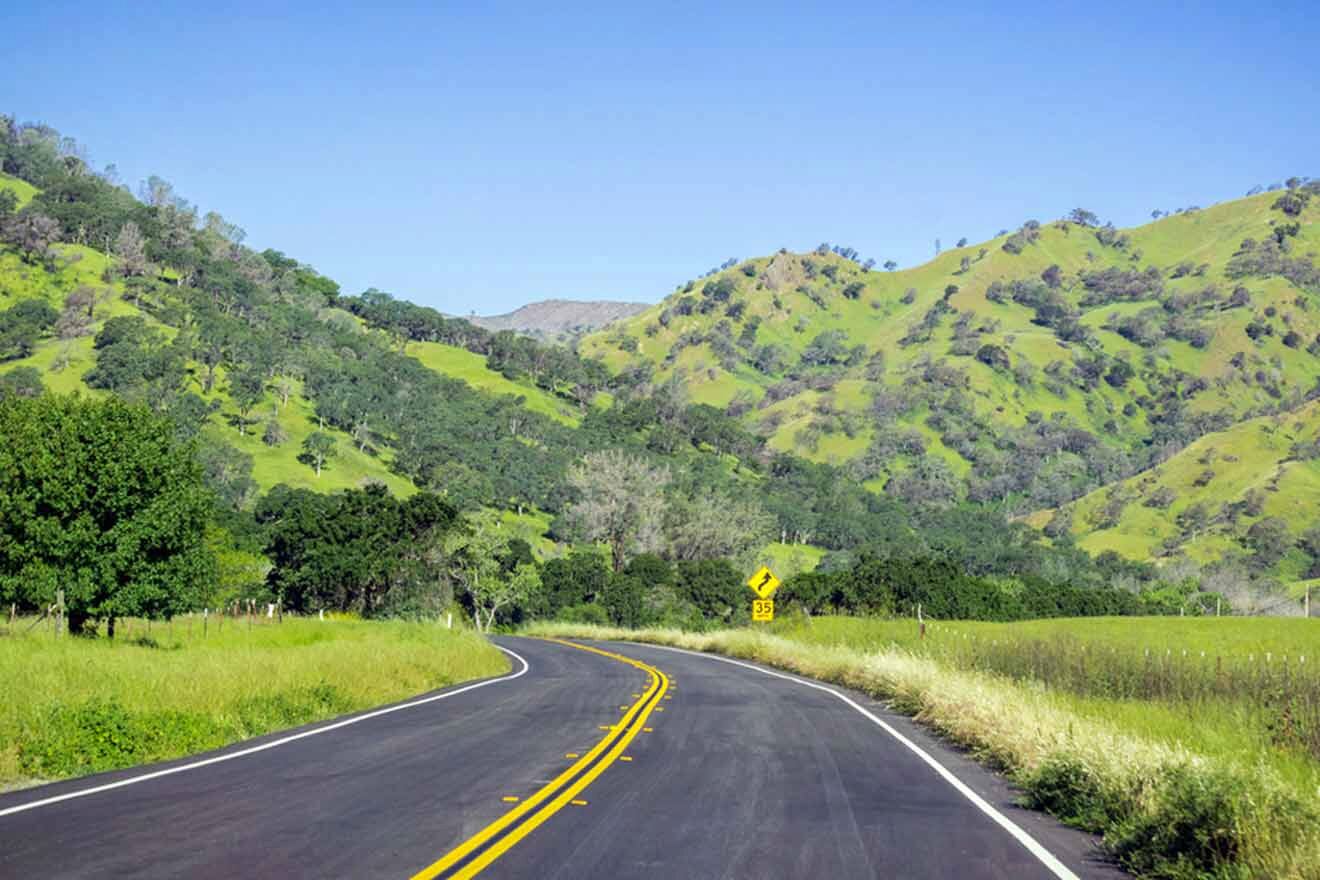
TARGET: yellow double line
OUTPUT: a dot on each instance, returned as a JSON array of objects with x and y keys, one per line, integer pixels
[{"x": 473, "y": 855}]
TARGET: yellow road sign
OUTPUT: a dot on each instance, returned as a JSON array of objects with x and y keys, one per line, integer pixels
[
  {"x": 763, "y": 610},
  {"x": 763, "y": 583}
]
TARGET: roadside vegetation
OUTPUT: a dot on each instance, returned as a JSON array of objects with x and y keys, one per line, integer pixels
[
  {"x": 162, "y": 690},
  {"x": 1177, "y": 789}
]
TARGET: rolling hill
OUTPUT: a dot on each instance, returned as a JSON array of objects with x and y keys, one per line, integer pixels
[{"x": 1025, "y": 371}]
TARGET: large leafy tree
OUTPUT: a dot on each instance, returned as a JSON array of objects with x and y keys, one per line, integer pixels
[{"x": 99, "y": 499}]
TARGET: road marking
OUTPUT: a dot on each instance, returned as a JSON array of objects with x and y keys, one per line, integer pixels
[
  {"x": 572, "y": 755},
  {"x": 252, "y": 750},
  {"x": 625, "y": 757},
  {"x": 509, "y": 799},
  {"x": 537, "y": 808},
  {"x": 1047, "y": 858}
]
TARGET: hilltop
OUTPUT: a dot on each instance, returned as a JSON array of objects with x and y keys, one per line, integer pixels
[{"x": 556, "y": 319}]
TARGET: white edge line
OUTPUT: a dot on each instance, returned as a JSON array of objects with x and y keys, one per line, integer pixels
[
  {"x": 1048, "y": 859},
  {"x": 270, "y": 745}
]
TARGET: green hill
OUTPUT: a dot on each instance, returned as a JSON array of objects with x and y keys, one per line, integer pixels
[
  {"x": 823, "y": 401},
  {"x": 1023, "y": 371},
  {"x": 1248, "y": 490}
]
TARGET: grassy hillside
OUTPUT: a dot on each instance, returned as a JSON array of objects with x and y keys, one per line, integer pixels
[
  {"x": 1205, "y": 500},
  {"x": 63, "y": 362},
  {"x": 1023, "y": 371},
  {"x": 471, "y": 368}
]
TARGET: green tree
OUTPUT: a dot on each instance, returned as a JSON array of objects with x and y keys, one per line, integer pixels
[
  {"x": 21, "y": 382},
  {"x": 318, "y": 448},
  {"x": 475, "y": 553},
  {"x": 99, "y": 499}
]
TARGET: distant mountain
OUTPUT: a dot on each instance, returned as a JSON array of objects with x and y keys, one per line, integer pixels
[{"x": 560, "y": 317}]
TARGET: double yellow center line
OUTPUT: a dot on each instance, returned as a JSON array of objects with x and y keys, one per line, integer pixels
[{"x": 473, "y": 855}]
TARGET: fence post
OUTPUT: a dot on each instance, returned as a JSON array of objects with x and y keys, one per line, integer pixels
[
  {"x": 1306, "y": 603},
  {"x": 921, "y": 622},
  {"x": 59, "y": 618}
]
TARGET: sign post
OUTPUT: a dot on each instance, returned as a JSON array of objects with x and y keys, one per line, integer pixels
[{"x": 763, "y": 584}]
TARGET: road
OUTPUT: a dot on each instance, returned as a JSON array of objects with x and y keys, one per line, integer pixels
[{"x": 616, "y": 760}]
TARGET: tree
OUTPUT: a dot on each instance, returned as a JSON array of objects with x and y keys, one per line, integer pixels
[
  {"x": 1270, "y": 540},
  {"x": 716, "y": 588},
  {"x": 97, "y": 498},
  {"x": 247, "y": 386},
  {"x": 318, "y": 448},
  {"x": 620, "y": 501},
  {"x": 994, "y": 357},
  {"x": 33, "y": 233},
  {"x": 475, "y": 553},
  {"x": 710, "y": 524},
  {"x": 890, "y": 265},
  {"x": 131, "y": 249},
  {"x": 21, "y": 382},
  {"x": 1083, "y": 217}
]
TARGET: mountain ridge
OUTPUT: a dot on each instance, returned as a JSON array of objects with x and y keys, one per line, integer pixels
[{"x": 557, "y": 318}]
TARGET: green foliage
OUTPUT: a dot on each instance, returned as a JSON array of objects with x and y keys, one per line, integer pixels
[
  {"x": 98, "y": 499},
  {"x": 360, "y": 550}
]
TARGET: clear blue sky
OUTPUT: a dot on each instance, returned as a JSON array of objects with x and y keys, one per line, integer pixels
[{"x": 479, "y": 156}]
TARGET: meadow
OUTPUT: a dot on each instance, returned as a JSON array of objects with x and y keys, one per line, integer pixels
[
  {"x": 1188, "y": 766},
  {"x": 157, "y": 691}
]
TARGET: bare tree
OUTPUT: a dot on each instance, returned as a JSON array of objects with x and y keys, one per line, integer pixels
[
  {"x": 33, "y": 233},
  {"x": 621, "y": 501},
  {"x": 131, "y": 249},
  {"x": 709, "y": 525}
]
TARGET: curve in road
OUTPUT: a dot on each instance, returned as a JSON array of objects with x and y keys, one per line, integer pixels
[{"x": 618, "y": 761}]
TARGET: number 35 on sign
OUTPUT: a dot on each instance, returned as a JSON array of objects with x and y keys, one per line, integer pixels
[{"x": 763, "y": 610}]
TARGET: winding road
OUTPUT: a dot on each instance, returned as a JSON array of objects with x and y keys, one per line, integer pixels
[{"x": 588, "y": 760}]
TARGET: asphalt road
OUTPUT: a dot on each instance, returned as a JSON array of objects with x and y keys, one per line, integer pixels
[{"x": 581, "y": 766}]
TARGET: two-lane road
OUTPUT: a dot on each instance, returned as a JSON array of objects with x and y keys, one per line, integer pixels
[{"x": 617, "y": 761}]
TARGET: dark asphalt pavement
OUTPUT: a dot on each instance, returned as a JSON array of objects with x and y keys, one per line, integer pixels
[{"x": 743, "y": 775}]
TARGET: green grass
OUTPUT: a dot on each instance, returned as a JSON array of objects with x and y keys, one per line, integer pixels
[
  {"x": 1179, "y": 790},
  {"x": 81, "y": 705},
  {"x": 21, "y": 188},
  {"x": 471, "y": 368}
]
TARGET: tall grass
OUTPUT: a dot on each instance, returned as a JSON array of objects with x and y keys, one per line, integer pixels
[
  {"x": 1256, "y": 672},
  {"x": 1166, "y": 810},
  {"x": 79, "y": 705}
]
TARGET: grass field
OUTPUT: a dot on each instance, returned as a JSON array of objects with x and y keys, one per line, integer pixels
[
  {"x": 1180, "y": 788},
  {"x": 74, "y": 706}
]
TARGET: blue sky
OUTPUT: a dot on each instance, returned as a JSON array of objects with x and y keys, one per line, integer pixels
[{"x": 479, "y": 156}]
